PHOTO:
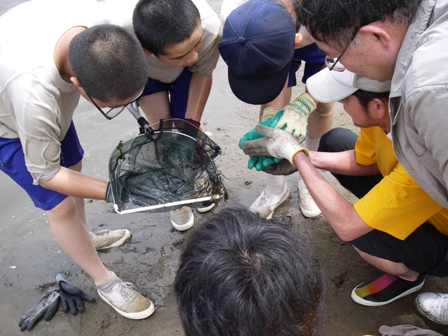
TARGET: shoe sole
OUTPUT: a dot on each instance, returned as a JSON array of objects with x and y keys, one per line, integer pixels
[
  {"x": 309, "y": 214},
  {"x": 368, "y": 303},
  {"x": 184, "y": 227},
  {"x": 205, "y": 209},
  {"x": 132, "y": 316},
  {"x": 118, "y": 242}
]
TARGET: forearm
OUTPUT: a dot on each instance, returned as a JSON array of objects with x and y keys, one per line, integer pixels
[
  {"x": 72, "y": 183},
  {"x": 341, "y": 163},
  {"x": 339, "y": 212},
  {"x": 198, "y": 94}
]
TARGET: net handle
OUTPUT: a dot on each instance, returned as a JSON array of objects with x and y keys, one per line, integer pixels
[
  {"x": 167, "y": 205},
  {"x": 144, "y": 125}
]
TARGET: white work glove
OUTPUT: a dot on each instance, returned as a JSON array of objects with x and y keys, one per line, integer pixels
[
  {"x": 293, "y": 118},
  {"x": 276, "y": 143}
]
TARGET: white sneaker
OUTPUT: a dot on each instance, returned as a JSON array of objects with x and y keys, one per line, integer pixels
[
  {"x": 266, "y": 203},
  {"x": 106, "y": 239},
  {"x": 126, "y": 301},
  {"x": 182, "y": 219},
  {"x": 205, "y": 206},
  {"x": 307, "y": 205},
  {"x": 433, "y": 306}
]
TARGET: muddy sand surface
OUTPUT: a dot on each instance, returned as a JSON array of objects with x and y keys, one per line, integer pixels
[{"x": 29, "y": 256}]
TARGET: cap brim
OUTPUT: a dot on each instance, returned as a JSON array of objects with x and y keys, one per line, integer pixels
[
  {"x": 259, "y": 91},
  {"x": 324, "y": 88}
]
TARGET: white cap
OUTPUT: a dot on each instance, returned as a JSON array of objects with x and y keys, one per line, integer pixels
[{"x": 331, "y": 86}]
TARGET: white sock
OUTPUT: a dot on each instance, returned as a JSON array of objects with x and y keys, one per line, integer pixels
[{"x": 276, "y": 184}]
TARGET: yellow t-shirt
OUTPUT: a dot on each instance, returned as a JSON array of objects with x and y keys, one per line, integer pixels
[{"x": 397, "y": 205}]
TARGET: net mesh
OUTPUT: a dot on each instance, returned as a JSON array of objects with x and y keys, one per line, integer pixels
[{"x": 165, "y": 169}]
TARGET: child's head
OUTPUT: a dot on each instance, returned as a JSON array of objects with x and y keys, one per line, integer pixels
[
  {"x": 108, "y": 62},
  {"x": 169, "y": 29},
  {"x": 242, "y": 275}
]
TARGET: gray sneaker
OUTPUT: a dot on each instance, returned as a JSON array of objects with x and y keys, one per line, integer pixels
[
  {"x": 182, "y": 219},
  {"x": 126, "y": 301},
  {"x": 105, "y": 239}
]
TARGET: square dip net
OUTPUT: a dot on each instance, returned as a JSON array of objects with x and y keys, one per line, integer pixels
[{"x": 165, "y": 169}]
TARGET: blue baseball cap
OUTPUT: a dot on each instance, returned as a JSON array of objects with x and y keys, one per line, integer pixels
[{"x": 258, "y": 46}]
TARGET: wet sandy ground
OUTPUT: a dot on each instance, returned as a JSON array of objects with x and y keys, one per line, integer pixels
[{"x": 29, "y": 256}]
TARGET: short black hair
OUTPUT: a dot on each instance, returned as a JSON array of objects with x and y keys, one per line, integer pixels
[
  {"x": 108, "y": 62},
  {"x": 160, "y": 24},
  {"x": 364, "y": 97},
  {"x": 335, "y": 21},
  {"x": 240, "y": 275}
]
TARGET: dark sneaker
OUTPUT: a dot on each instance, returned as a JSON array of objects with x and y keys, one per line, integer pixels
[
  {"x": 205, "y": 206},
  {"x": 433, "y": 306},
  {"x": 106, "y": 239},
  {"x": 384, "y": 290}
]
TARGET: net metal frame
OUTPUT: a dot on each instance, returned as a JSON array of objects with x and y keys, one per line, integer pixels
[{"x": 176, "y": 163}]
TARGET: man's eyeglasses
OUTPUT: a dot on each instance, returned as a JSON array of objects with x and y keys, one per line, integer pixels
[
  {"x": 111, "y": 112},
  {"x": 333, "y": 64}
]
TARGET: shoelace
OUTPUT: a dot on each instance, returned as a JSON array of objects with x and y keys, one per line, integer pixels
[{"x": 125, "y": 290}]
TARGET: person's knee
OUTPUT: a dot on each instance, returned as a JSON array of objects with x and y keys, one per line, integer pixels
[
  {"x": 337, "y": 140},
  {"x": 324, "y": 110},
  {"x": 65, "y": 209}
]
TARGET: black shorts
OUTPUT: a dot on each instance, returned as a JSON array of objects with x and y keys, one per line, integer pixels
[{"x": 424, "y": 251}]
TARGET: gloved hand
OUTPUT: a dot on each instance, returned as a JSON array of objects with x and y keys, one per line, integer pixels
[
  {"x": 256, "y": 162},
  {"x": 253, "y": 134},
  {"x": 276, "y": 143},
  {"x": 71, "y": 296},
  {"x": 293, "y": 118},
  {"x": 109, "y": 198},
  {"x": 46, "y": 307},
  {"x": 284, "y": 168}
]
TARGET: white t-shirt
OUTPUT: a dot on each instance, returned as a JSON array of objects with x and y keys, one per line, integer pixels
[{"x": 36, "y": 104}]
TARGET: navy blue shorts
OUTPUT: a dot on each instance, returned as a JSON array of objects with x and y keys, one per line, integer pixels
[
  {"x": 314, "y": 62},
  {"x": 12, "y": 162},
  {"x": 177, "y": 92}
]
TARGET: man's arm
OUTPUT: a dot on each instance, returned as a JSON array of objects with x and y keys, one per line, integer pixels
[
  {"x": 341, "y": 163},
  {"x": 198, "y": 93},
  {"x": 339, "y": 212}
]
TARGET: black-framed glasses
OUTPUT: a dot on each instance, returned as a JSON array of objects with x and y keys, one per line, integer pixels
[
  {"x": 111, "y": 112},
  {"x": 333, "y": 64}
]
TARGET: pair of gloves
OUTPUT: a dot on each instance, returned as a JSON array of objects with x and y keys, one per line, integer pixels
[
  {"x": 267, "y": 144},
  {"x": 71, "y": 298}
]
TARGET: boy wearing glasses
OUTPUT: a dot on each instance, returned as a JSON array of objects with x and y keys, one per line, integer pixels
[
  {"x": 394, "y": 219},
  {"x": 39, "y": 146}
]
